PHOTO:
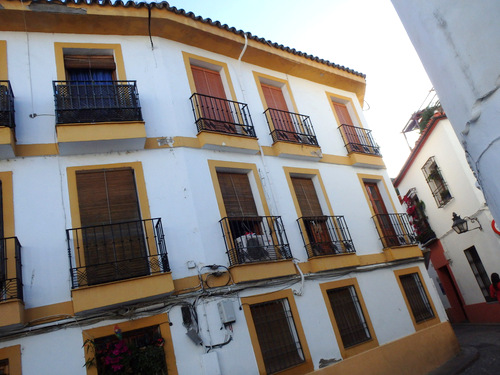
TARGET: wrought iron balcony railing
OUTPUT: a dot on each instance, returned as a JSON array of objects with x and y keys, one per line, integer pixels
[
  {"x": 359, "y": 140},
  {"x": 221, "y": 115},
  {"x": 96, "y": 101},
  {"x": 11, "y": 276},
  {"x": 394, "y": 230},
  {"x": 325, "y": 235},
  {"x": 103, "y": 253},
  {"x": 290, "y": 127},
  {"x": 253, "y": 239},
  {"x": 6, "y": 105}
]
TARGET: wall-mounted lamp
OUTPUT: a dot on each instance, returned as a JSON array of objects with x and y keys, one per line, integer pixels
[{"x": 460, "y": 225}]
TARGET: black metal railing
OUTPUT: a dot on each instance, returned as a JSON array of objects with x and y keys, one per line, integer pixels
[
  {"x": 221, "y": 115},
  {"x": 11, "y": 276},
  {"x": 394, "y": 230},
  {"x": 325, "y": 235},
  {"x": 358, "y": 139},
  {"x": 6, "y": 105},
  {"x": 111, "y": 252},
  {"x": 96, "y": 101},
  {"x": 255, "y": 239},
  {"x": 290, "y": 127}
]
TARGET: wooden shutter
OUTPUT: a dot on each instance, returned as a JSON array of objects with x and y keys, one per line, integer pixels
[
  {"x": 388, "y": 234},
  {"x": 281, "y": 121},
  {"x": 274, "y": 97},
  {"x": 107, "y": 196},
  {"x": 237, "y": 194},
  {"x": 306, "y": 196},
  {"x": 342, "y": 113},
  {"x": 208, "y": 82},
  {"x": 89, "y": 62}
]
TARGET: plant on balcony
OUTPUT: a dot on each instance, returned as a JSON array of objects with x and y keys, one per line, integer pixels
[
  {"x": 122, "y": 357},
  {"x": 415, "y": 208}
]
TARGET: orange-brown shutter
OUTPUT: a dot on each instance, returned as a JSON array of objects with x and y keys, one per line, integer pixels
[
  {"x": 237, "y": 194},
  {"x": 342, "y": 113},
  {"x": 306, "y": 196},
  {"x": 208, "y": 82}
]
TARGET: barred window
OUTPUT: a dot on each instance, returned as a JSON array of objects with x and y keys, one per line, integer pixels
[
  {"x": 416, "y": 297},
  {"x": 4, "y": 367},
  {"x": 138, "y": 351},
  {"x": 349, "y": 316},
  {"x": 277, "y": 335},
  {"x": 479, "y": 272},
  {"x": 436, "y": 182}
]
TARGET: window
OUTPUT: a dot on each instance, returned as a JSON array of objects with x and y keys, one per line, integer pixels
[
  {"x": 436, "y": 182},
  {"x": 277, "y": 334},
  {"x": 10, "y": 360},
  {"x": 416, "y": 296},
  {"x": 139, "y": 352},
  {"x": 4, "y": 367},
  {"x": 479, "y": 272},
  {"x": 349, "y": 316},
  {"x": 388, "y": 234}
]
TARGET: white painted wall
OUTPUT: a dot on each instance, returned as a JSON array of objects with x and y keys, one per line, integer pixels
[{"x": 455, "y": 41}]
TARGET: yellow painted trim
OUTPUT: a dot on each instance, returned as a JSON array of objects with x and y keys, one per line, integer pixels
[
  {"x": 296, "y": 150},
  {"x": 189, "y": 58},
  {"x": 157, "y": 143},
  {"x": 215, "y": 165},
  {"x": 284, "y": 84},
  {"x": 223, "y": 141},
  {"x": 49, "y": 313},
  {"x": 160, "y": 320},
  {"x": 7, "y": 138},
  {"x": 404, "y": 252},
  {"x": 12, "y": 313},
  {"x": 424, "y": 324},
  {"x": 3, "y": 61},
  {"x": 40, "y": 149},
  {"x": 335, "y": 159},
  {"x": 343, "y": 100},
  {"x": 367, "y": 160},
  {"x": 13, "y": 354},
  {"x": 331, "y": 262},
  {"x": 117, "y": 52},
  {"x": 415, "y": 354},
  {"x": 260, "y": 271},
  {"x": 119, "y": 292},
  {"x": 349, "y": 352},
  {"x": 8, "y": 205},
  {"x": 372, "y": 259},
  {"x": 100, "y": 131},
  {"x": 247, "y": 301}
]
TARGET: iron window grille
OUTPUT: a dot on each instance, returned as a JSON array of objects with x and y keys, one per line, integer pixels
[
  {"x": 96, "y": 101},
  {"x": 104, "y": 253},
  {"x": 325, "y": 235},
  {"x": 277, "y": 335},
  {"x": 251, "y": 239},
  {"x": 436, "y": 182},
  {"x": 479, "y": 272},
  {"x": 394, "y": 230},
  {"x": 358, "y": 139},
  {"x": 221, "y": 115},
  {"x": 7, "y": 117},
  {"x": 349, "y": 316},
  {"x": 290, "y": 127},
  {"x": 416, "y": 297},
  {"x": 11, "y": 276},
  {"x": 142, "y": 348}
]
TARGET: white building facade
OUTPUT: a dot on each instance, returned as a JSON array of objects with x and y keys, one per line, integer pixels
[
  {"x": 437, "y": 177},
  {"x": 454, "y": 42},
  {"x": 189, "y": 198}
]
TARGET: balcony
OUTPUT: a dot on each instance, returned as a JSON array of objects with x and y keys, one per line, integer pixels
[
  {"x": 7, "y": 121},
  {"x": 223, "y": 125},
  {"x": 11, "y": 283},
  {"x": 395, "y": 231},
  {"x": 98, "y": 116},
  {"x": 359, "y": 144},
  {"x": 325, "y": 235},
  {"x": 290, "y": 127},
  {"x": 132, "y": 254}
]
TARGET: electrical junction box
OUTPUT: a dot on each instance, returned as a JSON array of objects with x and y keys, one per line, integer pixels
[{"x": 226, "y": 312}]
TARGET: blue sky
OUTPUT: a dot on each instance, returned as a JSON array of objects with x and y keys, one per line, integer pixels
[{"x": 364, "y": 35}]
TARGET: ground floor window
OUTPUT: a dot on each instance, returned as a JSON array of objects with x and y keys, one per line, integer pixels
[
  {"x": 4, "y": 367},
  {"x": 349, "y": 316},
  {"x": 277, "y": 335},
  {"x": 416, "y": 297},
  {"x": 479, "y": 272}
]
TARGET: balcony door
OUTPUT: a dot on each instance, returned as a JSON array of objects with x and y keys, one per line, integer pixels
[
  {"x": 388, "y": 233},
  {"x": 112, "y": 231},
  {"x": 313, "y": 218},
  {"x": 281, "y": 120},
  {"x": 3, "y": 253},
  {"x": 352, "y": 139},
  {"x": 215, "y": 109}
]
